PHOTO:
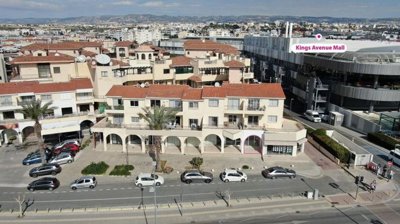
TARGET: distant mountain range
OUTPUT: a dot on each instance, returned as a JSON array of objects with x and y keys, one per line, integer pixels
[{"x": 147, "y": 18}]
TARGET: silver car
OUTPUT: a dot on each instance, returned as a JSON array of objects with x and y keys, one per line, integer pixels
[
  {"x": 84, "y": 182},
  {"x": 64, "y": 157}
]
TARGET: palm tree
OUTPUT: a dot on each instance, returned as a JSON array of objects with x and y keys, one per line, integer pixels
[
  {"x": 158, "y": 118},
  {"x": 35, "y": 111}
]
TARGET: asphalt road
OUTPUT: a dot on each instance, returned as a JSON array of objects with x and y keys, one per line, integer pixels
[{"x": 127, "y": 194}]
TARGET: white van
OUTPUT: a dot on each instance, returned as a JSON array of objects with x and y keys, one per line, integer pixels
[{"x": 313, "y": 116}]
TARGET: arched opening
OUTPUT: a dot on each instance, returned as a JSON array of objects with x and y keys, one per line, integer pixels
[
  {"x": 192, "y": 145},
  {"x": 9, "y": 136},
  {"x": 232, "y": 145},
  {"x": 172, "y": 145},
  {"x": 149, "y": 56},
  {"x": 212, "y": 143},
  {"x": 113, "y": 142},
  {"x": 28, "y": 133},
  {"x": 143, "y": 57},
  {"x": 85, "y": 127},
  {"x": 253, "y": 145},
  {"x": 134, "y": 143}
]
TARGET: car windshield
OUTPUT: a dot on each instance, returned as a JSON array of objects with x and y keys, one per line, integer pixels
[
  {"x": 240, "y": 173},
  {"x": 154, "y": 176},
  {"x": 315, "y": 115}
]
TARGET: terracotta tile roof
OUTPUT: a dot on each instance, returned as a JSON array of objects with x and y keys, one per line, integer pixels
[
  {"x": 266, "y": 90},
  {"x": 88, "y": 53},
  {"x": 52, "y": 57},
  {"x": 118, "y": 62},
  {"x": 36, "y": 87},
  {"x": 194, "y": 78},
  {"x": 180, "y": 61},
  {"x": 144, "y": 48},
  {"x": 123, "y": 43},
  {"x": 208, "y": 45},
  {"x": 61, "y": 46},
  {"x": 234, "y": 64}
]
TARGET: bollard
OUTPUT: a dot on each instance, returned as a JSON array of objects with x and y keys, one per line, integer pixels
[{"x": 316, "y": 194}]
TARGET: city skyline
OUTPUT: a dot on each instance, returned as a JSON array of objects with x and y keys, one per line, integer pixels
[{"x": 75, "y": 8}]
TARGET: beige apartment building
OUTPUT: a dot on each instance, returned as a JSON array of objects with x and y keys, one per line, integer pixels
[
  {"x": 72, "y": 101},
  {"x": 232, "y": 118}
]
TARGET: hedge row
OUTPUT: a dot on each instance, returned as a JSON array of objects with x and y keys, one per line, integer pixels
[
  {"x": 95, "y": 168},
  {"x": 383, "y": 140},
  {"x": 122, "y": 170},
  {"x": 331, "y": 145}
]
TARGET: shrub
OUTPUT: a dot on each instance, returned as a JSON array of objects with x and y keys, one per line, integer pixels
[
  {"x": 383, "y": 140},
  {"x": 196, "y": 162},
  {"x": 331, "y": 145},
  {"x": 245, "y": 167},
  {"x": 168, "y": 170},
  {"x": 85, "y": 144},
  {"x": 95, "y": 168},
  {"x": 122, "y": 170}
]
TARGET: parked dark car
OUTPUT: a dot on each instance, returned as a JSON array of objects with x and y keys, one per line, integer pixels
[
  {"x": 45, "y": 183},
  {"x": 277, "y": 171},
  {"x": 45, "y": 169},
  {"x": 190, "y": 176},
  {"x": 32, "y": 158}
]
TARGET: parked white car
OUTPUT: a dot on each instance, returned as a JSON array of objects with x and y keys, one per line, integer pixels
[
  {"x": 312, "y": 116},
  {"x": 148, "y": 179},
  {"x": 233, "y": 175},
  {"x": 64, "y": 157},
  {"x": 84, "y": 182}
]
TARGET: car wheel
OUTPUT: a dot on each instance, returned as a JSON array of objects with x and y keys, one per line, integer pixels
[
  {"x": 51, "y": 189},
  {"x": 31, "y": 189},
  {"x": 27, "y": 164},
  {"x": 226, "y": 181},
  {"x": 53, "y": 173},
  {"x": 188, "y": 181},
  {"x": 158, "y": 183},
  {"x": 91, "y": 186},
  {"x": 34, "y": 175},
  {"x": 69, "y": 161},
  {"x": 140, "y": 185},
  {"x": 243, "y": 180},
  {"x": 207, "y": 181},
  {"x": 73, "y": 188}
]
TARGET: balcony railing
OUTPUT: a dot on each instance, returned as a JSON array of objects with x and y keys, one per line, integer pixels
[
  {"x": 259, "y": 108},
  {"x": 230, "y": 108},
  {"x": 118, "y": 107},
  {"x": 24, "y": 102},
  {"x": 6, "y": 103}
]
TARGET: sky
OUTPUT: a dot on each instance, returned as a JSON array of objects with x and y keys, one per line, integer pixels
[{"x": 75, "y": 8}]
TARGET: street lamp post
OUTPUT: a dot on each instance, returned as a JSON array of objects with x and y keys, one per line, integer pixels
[{"x": 155, "y": 194}]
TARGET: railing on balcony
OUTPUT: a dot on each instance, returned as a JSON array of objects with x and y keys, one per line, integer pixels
[
  {"x": 231, "y": 108},
  {"x": 118, "y": 107},
  {"x": 255, "y": 108},
  {"x": 23, "y": 102},
  {"x": 6, "y": 103},
  {"x": 178, "y": 108}
]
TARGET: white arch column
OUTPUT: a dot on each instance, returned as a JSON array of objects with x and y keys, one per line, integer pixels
[
  {"x": 222, "y": 143},
  {"x": 183, "y": 144}
]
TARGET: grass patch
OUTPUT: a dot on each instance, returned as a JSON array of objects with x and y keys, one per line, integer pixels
[
  {"x": 122, "y": 170},
  {"x": 95, "y": 168}
]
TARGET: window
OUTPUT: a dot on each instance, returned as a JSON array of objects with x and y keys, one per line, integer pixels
[
  {"x": 273, "y": 103},
  {"x": 118, "y": 119},
  {"x": 45, "y": 97},
  {"x": 117, "y": 102},
  {"x": 66, "y": 110},
  {"x": 213, "y": 103},
  {"x": 44, "y": 70},
  {"x": 254, "y": 104},
  {"x": 104, "y": 73},
  {"x": 84, "y": 95},
  {"x": 188, "y": 52},
  {"x": 175, "y": 103},
  {"x": 232, "y": 118},
  {"x": 233, "y": 104},
  {"x": 135, "y": 119},
  {"x": 8, "y": 115},
  {"x": 193, "y": 122},
  {"x": 166, "y": 71},
  {"x": 56, "y": 70},
  {"x": 143, "y": 56},
  {"x": 213, "y": 121},
  {"x": 149, "y": 56},
  {"x": 39, "y": 54},
  {"x": 183, "y": 70},
  {"x": 193, "y": 105},
  {"x": 252, "y": 120},
  {"x": 5, "y": 101},
  {"x": 272, "y": 118},
  {"x": 134, "y": 103},
  {"x": 155, "y": 103}
]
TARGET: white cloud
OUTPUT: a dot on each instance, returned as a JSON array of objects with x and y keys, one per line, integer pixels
[
  {"x": 126, "y": 2},
  {"x": 157, "y": 4},
  {"x": 30, "y": 5}
]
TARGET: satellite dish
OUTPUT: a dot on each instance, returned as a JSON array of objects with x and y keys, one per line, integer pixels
[
  {"x": 216, "y": 84},
  {"x": 80, "y": 58},
  {"x": 142, "y": 85},
  {"x": 56, "y": 54},
  {"x": 103, "y": 59},
  {"x": 93, "y": 63}
]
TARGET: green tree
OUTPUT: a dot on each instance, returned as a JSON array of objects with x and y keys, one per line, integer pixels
[
  {"x": 35, "y": 110},
  {"x": 196, "y": 162},
  {"x": 157, "y": 118}
]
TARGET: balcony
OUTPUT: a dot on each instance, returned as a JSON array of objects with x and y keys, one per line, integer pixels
[
  {"x": 365, "y": 93},
  {"x": 114, "y": 109},
  {"x": 233, "y": 109},
  {"x": 24, "y": 102},
  {"x": 248, "y": 75},
  {"x": 6, "y": 104},
  {"x": 320, "y": 99}
]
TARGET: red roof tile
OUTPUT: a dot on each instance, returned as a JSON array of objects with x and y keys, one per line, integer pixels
[
  {"x": 118, "y": 62},
  {"x": 61, "y": 46},
  {"x": 234, "y": 64},
  {"x": 36, "y": 87},
  {"x": 51, "y": 57},
  {"x": 144, "y": 48},
  {"x": 208, "y": 45},
  {"x": 180, "y": 61},
  {"x": 123, "y": 44},
  {"x": 266, "y": 90},
  {"x": 194, "y": 78}
]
